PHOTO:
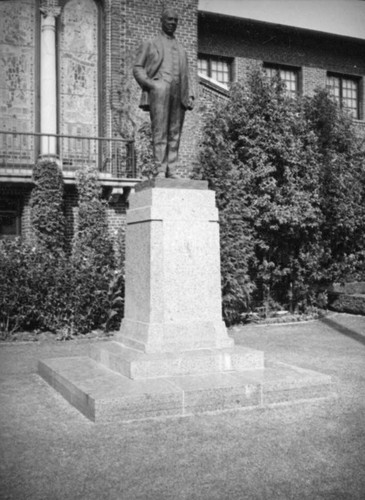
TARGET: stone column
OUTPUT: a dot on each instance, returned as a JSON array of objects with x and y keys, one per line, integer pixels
[{"x": 48, "y": 80}]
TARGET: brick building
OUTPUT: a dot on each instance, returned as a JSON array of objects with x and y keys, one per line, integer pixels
[{"x": 67, "y": 92}]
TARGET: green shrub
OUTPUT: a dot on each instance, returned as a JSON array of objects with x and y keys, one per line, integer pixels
[
  {"x": 92, "y": 239},
  {"x": 47, "y": 291},
  {"x": 289, "y": 183},
  {"x": 144, "y": 151},
  {"x": 15, "y": 292},
  {"x": 43, "y": 288},
  {"x": 342, "y": 181},
  {"x": 29, "y": 274},
  {"x": 96, "y": 297},
  {"x": 47, "y": 217}
]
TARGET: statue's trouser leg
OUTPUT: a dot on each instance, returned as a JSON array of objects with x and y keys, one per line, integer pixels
[
  {"x": 159, "y": 112},
  {"x": 177, "y": 114}
]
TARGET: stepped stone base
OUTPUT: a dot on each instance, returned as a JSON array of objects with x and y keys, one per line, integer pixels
[
  {"x": 173, "y": 336},
  {"x": 173, "y": 355},
  {"x": 138, "y": 365},
  {"x": 106, "y": 396}
]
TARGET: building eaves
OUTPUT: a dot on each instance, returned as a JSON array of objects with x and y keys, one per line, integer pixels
[{"x": 339, "y": 18}]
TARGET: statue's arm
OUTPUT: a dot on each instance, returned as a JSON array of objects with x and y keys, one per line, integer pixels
[{"x": 139, "y": 68}]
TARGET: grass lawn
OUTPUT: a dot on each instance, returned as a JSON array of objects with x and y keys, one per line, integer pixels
[{"x": 304, "y": 451}]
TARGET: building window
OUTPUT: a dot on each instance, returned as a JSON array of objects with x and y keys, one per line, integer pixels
[
  {"x": 218, "y": 68},
  {"x": 9, "y": 225},
  {"x": 290, "y": 76},
  {"x": 345, "y": 90},
  {"x": 9, "y": 219}
]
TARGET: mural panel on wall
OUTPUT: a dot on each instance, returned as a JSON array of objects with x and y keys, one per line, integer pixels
[
  {"x": 17, "y": 79},
  {"x": 78, "y": 76}
]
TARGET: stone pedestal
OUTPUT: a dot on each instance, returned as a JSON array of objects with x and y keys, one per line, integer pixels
[
  {"x": 173, "y": 283},
  {"x": 173, "y": 356}
]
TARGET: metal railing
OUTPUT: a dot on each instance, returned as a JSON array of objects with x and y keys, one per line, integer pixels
[{"x": 20, "y": 150}]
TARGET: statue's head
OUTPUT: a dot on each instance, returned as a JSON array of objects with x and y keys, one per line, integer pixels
[{"x": 169, "y": 20}]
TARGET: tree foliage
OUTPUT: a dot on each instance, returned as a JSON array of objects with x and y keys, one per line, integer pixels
[
  {"x": 342, "y": 188},
  {"x": 264, "y": 155}
]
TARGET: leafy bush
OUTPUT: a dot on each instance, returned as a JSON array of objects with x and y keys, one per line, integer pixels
[
  {"x": 56, "y": 293},
  {"x": 15, "y": 290},
  {"x": 43, "y": 288},
  {"x": 47, "y": 217},
  {"x": 92, "y": 240},
  {"x": 270, "y": 160},
  {"x": 144, "y": 149},
  {"x": 97, "y": 298},
  {"x": 342, "y": 189}
]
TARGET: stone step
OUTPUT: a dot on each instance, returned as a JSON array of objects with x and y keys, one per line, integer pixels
[
  {"x": 105, "y": 396},
  {"x": 140, "y": 365}
]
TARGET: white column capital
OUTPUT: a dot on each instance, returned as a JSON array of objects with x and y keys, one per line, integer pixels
[{"x": 50, "y": 11}]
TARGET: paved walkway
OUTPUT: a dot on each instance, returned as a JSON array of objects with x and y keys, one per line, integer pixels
[{"x": 317, "y": 450}]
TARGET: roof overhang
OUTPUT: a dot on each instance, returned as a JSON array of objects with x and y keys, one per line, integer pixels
[{"x": 344, "y": 18}]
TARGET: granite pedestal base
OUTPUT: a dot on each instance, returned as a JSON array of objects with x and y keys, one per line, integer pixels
[
  {"x": 105, "y": 396},
  {"x": 173, "y": 355}
]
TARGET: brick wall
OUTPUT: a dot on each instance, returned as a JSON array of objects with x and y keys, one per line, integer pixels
[
  {"x": 263, "y": 42},
  {"x": 26, "y": 226},
  {"x": 71, "y": 211},
  {"x": 125, "y": 23},
  {"x": 21, "y": 195},
  {"x": 251, "y": 43}
]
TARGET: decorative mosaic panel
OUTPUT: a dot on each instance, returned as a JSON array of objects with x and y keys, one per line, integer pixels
[
  {"x": 17, "y": 81},
  {"x": 78, "y": 73}
]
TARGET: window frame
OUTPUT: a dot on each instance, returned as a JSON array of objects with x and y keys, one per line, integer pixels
[
  {"x": 209, "y": 58},
  {"x": 284, "y": 67},
  {"x": 11, "y": 212},
  {"x": 341, "y": 77}
]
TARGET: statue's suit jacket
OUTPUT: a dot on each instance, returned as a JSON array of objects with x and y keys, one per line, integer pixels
[{"x": 149, "y": 58}]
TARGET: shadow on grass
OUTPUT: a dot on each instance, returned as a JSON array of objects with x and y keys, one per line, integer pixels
[{"x": 344, "y": 330}]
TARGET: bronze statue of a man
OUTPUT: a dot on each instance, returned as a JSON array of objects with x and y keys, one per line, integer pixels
[{"x": 161, "y": 69}]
